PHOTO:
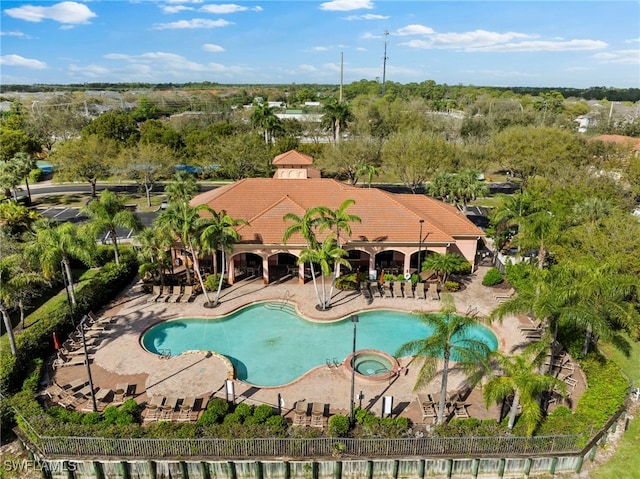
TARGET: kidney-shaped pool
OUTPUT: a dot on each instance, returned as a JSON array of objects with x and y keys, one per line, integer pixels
[{"x": 270, "y": 345}]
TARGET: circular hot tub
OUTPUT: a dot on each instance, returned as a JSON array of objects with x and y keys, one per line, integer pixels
[{"x": 372, "y": 365}]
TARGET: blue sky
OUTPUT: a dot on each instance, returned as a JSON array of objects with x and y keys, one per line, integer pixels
[{"x": 502, "y": 43}]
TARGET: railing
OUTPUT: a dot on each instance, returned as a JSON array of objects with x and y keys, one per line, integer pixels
[{"x": 82, "y": 447}]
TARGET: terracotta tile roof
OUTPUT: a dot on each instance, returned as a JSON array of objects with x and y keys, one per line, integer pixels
[
  {"x": 619, "y": 139},
  {"x": 292, "y": 157},
  {"x": 386, "y": 217}
]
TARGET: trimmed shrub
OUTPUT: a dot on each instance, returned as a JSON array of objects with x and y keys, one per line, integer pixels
[
  {"x": 215, "y": 413},
  {"x": 338, "y": 425},
  {"x": 262, "y": 413},
  {"x": 452, "y": 286},
  {"x": 243, "y": 411},
  {"x": 35, "y": 175},
  {"x": 347, "y": 282},
  {"x": 492, "y": 277}
]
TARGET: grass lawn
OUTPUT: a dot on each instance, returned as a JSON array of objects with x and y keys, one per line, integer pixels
[{"x": 625, "y": 463}]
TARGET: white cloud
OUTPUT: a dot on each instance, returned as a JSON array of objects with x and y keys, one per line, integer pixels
[
  {"x": 633, "y": 40},
  {"x": 224, "y": 8},
  {"x": 486, "y": 41},
  {"x": 18, "y": 61},
  {"x": 626, "y": 57},
  {"x": 320, "y": 49},
  {"x": 190, "y": 24},
  {"x": 366, "y": 16},
  {"x": 176, "y": 8},
  {"x": 414, "y": 30},
  {"x": 346, "y": 5},
  {"x": 64, "y": 12},
  {"x": 210, "y": 47},
  {"x": 13, "y": 34}
]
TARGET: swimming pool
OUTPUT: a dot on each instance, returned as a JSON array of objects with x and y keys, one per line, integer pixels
[{"x": 270, "y": 345}]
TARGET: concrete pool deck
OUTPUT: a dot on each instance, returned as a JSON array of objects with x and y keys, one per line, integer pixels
[{"x": 120, "y": 358}]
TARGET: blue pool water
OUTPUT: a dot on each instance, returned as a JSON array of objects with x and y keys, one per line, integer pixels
[{"x": 271, "y": 345}]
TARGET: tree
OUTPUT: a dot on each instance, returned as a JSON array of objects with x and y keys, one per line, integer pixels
[
  {"x": 55, "y": 245},
  {"x": 336, "y": 116},
  {"x": 154, "y": 252},
  {"x": 327, "y": 256},
  {"x": 339, "y": 219},
  {"x": 516, "y": 377},
  {"x": 264, "y": 117},
  {"x": 535, "y": 151},
  {"x": 9, "y": 179},
  {"x": 25, "y": 163},
  {"x": 218, "y": 232},
  {"x": 414, "y": 156},
  {"x": 109, "y": 213},
  {"x": 17, "y": 219},
  {"x": 146, "y": 163},
  {"x": 450, "y": 341},
  {"x": 242, "y": 156},
  {"x": 179, "y": 221},
  {"x": 182, "y": 187},
  {"x": 444, "y": 264},
  {"x": 114, "y": 125},
  {"x": 89, "y": 159},
  {"x": 350, "y": 159},
  {"x": 18, "y": 283}
]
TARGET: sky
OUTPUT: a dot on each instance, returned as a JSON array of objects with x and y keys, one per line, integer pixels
[{"x": 576, "y": 44}]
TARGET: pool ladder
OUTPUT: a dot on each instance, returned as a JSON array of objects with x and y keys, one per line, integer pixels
[{"x": 164, "y": 353}]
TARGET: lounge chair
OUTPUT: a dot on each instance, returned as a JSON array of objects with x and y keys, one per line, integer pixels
[
  {"x": 501, "y": 297},
  {"x": 317, "y": 416},
  {"x": 537, "y": 326},
  {"x": 152, "y": 409},
  {"x": 397, "y": 289},
  {"x": 300, "y": 417},
  {"x": 166, "y": 292},
  {"x": 433, "y": 291},
  {"x": 427, "y": 406},
  {"x": 408, "y": 290},
  {"x": 155, "y": 293},
  {"x": 386, "y": 290},
  {"x": 176, "y": 292},
  {"x": 120, "y": 393},
  {"x": 364, "y": 287},
  {"x": 186, "y": 409},
  {"x": 420, "y": 291},
  {"x": 460, "y": 410}
]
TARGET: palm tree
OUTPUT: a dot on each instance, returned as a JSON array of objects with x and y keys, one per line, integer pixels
[
  {"x": 108, "y": 213},
  {"x": 605, "y": 298},
  {"x": 327, "y": 256},
  {"x": 56, "y": 245},
  {"x": 444, "y": 264},
  {"x": 516, "y": 376},
  {"x": 17, "y": 219},
  {"x": 6, "y": 298},
  {"x": 264, "y": 117},
  {"x": 450, "y": 341},
  {"x": 339, "y": 218},
  {"x": 18, "y": 282},
  {"x": 218, "y": 232},
  {"x": 468, "y": 187},
  {"x": 24, "y": 164},
  {"x": 154, "y": 252},
  {"x": 182, "y": 187},
  {"x": 335, "y": 117},
  {"x": 179, "y": 221}
]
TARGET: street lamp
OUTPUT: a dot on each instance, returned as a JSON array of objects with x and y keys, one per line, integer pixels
[
  {"x": 354, "y": 320},
  {"x": 420, "y": 249},
  {"x": 86, "y": 361}
]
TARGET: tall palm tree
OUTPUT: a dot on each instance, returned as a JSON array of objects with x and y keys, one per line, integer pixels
[
  {"x": 516, "y": 376},
  {"x": 6, "y": 298},
  {"x": 339, "y": 219},
  {"x": 55, "y": 245},
  {"x": 444, "y": 264},
  {"x": 468, "y": 187},
  {"x": 450, "y": 341},
  {"x": 336, "y": 116},
  {"x": 605, "y": 297},
  {"x": 108, "y": 213},
  {"x": 327, "y": 256},
  {"x": 264, "y": 117},
  {"x": 180, "y": 221},
  {"x": 24, "y": 164},
  {"x": 218, "y": 232},
  {"x": 154, "y": 251},
  {"x": 182, "y": 187},
  {"x": 18, "y": 282}
]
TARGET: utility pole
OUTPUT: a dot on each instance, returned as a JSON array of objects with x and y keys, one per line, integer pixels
[
  {"x": 384, "y": 61},
  {"x": 341, "y": 72}
]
